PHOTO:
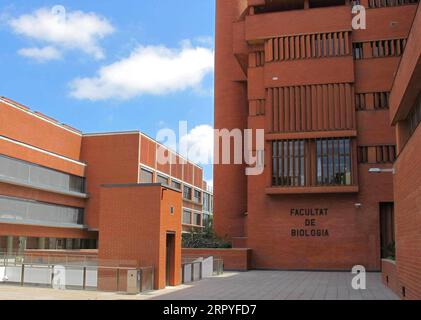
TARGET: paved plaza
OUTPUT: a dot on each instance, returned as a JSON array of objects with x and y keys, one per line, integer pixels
[{"x": 252, "y": 285}]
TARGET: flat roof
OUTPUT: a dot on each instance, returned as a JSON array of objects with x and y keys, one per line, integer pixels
[{"x": 23, "y": 108}]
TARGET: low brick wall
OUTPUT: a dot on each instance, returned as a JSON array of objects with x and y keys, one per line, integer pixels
[
  {"x": 390, "y": 276},
  {"x": 234, "y": 259}
]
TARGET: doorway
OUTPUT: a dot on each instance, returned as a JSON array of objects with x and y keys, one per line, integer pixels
[
  {"x": 170, "y": 259},
  {"x": 387, "y": 230}
]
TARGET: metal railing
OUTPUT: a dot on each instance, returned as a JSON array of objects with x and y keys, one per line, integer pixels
[
  {"x": 79, "y": 274},
  {"x": 17, "y": 258},
  {"x": 195, "y": 268},
  {"x": 191, "y": 271}
]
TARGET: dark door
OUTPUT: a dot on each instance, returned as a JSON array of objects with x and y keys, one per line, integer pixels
[
  {"x": 170, "y": 259},
  {"x": 387, "y": 230}
]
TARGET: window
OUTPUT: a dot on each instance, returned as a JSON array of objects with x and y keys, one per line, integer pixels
[
  {"x": 360, "y": 101},
  {"x": 414, "y": 116},
  {"x": 312, "y": 162},
  {"x": 175, "y": 184},
  {"x": 187, "y": 193},
  {"x": 206, "y": 204},
  {"x": 389, "y": 3},
  {"x": 333, "y": 161},
  {"x": 197, "y": 196},
  {"x": 387, "y": 48},
  {"x": 162, "y": 179},
  {"x": 37, "y": 176},
  {"x": 197, "y": 221},
  {"x": 206, "y": 220},
  {"x": 146, "y": 176},
  {"x": 35, "y": 243},
  {"x": 186, "y": 217},
  {"x": 17, "y": 210},
  {"x": 357, "y": 49},
  {"x": 379, "y": 48},
  {"x": 316, "y": 45},
  {"x": 288, "y": 163},
  {"x": 383, "y": 154},
  {"x": 379, "y": 101},
  {"x": 363, "y": 154}
]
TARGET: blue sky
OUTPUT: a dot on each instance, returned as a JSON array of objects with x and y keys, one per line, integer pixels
[{"x": 115, "y": 65}]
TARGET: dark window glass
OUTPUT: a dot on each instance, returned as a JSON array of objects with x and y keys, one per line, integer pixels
[
  {"x": 187, "y": 193},
  {"x": 162, "y": 179},
  {"x": 146, "y": 176},
  {"x": 176, "y": 184},
  {"x": 357, "y": 49},
  {"x": 37, "y": 176},
  {"x": 288, "y": 163},
  {"x": 389, "y": 3},
  {"x": 197, "y": 196},
  {"x": 334, "y": 162},
  {"x": 187, "y": 217},
  {"x": 16, "y": 210},
  {"x": 197, "y": 219}
]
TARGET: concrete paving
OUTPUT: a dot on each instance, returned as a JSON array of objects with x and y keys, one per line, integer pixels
[
  {"x": 252, "y": 285},
  {"x": 284, "y": 285}
]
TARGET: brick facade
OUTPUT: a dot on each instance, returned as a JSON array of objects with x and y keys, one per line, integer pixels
[{"x": 297, "y": 71}]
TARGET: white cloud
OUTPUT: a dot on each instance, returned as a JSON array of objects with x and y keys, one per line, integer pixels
[
  {"x": 41, "y": 54},
  {"x": 197, "y": 145},
  {"x": 64, "y": 30},
  {"x": 153, "y": 70}
]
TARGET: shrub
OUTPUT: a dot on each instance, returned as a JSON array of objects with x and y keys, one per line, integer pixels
[{"x": 204, "y": 239}]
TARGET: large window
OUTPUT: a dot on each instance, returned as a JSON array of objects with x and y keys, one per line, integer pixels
[
  {"x": 16, "y": 244},
  {"x": 197, "y": 196},
  {"x": 186, "y": 217},
  {"x": 175, "y": 184},
  {"x": 206, "y": 202},
  {"x": 197, "y": 221},
  {"x": 162, "y": 179},
  {"x": 288, "y": 163},
  {"x": 16, "y": 210},
  {"x": 187, "y": 193},
  {"x": 334, "y": 161},
  {"x": 37, "y": 176},
  {"x": 146, "y": 176},
  {"x": 313, "y": 162}
]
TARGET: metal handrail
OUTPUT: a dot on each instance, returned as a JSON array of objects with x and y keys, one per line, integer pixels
[{"x": 143, "y": 272}]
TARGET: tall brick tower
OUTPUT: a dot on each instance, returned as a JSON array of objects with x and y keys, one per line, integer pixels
[{"x": 320, "y": 90}]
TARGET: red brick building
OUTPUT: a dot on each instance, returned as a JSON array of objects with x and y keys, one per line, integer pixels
[
  {"x": 405, "y": 115},
  {"x": 320, "y": 89},
  {"x": 58, "y": 186}
]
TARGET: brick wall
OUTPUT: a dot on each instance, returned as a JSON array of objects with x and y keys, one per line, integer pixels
[
  {"x": 408, "y": 216},
  {"x": 135, "y": 220},
  {"x": 390, "y": 276}
]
